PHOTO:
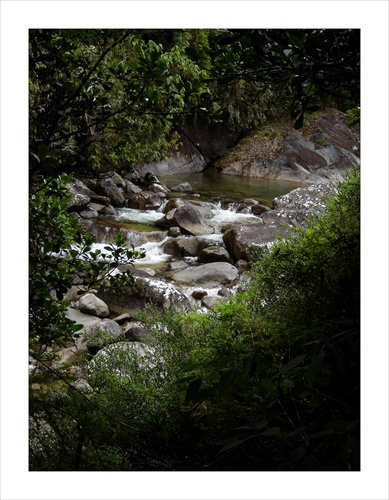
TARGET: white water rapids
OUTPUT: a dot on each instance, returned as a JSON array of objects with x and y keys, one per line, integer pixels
[{"x": 154, "y": 249}]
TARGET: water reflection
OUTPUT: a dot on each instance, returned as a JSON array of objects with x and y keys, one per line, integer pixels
[{"x": 214, "y": 186}]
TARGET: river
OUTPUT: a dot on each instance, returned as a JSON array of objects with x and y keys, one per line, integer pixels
[{"x": 222, "y": 192}]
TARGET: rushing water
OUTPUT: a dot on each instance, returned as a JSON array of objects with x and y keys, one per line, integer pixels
[{"x": 223, "y": 192}]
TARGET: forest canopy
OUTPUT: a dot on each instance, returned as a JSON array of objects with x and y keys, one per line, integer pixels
[{"x": 103, "y": 98}]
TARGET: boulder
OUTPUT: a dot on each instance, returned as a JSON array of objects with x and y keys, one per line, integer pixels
[
  {"x": 108, "y": 188},
  {"x": 131, "y": 187},
  {"x": 133, "y": 360},
  {"x": 137, "y": 333},
  {"x": 214, "y": 254},
  {"x": 177, "y": 265},
  {"x": 82, "y": 319},
  {"x": 90, "y": 304},
  {"x": 80, "y": 195},
  {"x": 207, "y": 275},
  {"x": 186, "y": 246},
  {"x": 199, "y": 294},
  {"x": 89, "y": 213},
  {"x": 159, "y": 188},
  {"x": 147, "y": 291},
  {"x": 311, "y": 198},
  {"x": 146, "y": 200},
  {"x": 184, "y": 187},
  {"x": 106, "y": 332},
  {"x": 240, "y": 239},
  {"x": 191, "y": 219},
  {"x": 211, "y": 302},
  {"x": 174, "y": 232},
  {"x": 108, "y": 210},
  {"x": 259, "y": 209}
]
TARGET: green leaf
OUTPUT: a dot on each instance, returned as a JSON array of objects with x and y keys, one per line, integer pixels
[
  {"x": 232, "y": 445},
  {"x": 292, "y": 363},
  {"x": 268, "y": 385},
  {"x": 314, "y": 368},
  {"x": 297, "y": 454},
  {"x": 193, "y": 391},
  {"x": 273, "y": 431}
]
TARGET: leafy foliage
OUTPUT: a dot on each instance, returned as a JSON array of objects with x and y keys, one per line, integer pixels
[
  {"x": 61, "y": 256},
  {"x": 100, "y": 97},
  {"x": 269, "y": 380}
]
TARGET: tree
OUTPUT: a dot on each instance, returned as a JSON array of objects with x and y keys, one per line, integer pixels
[
  {"x": 99, "y": 98},
  {"x": 303, "y": 69}
]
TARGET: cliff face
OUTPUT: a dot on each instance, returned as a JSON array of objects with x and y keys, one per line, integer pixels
[
  {"x": 202, "y": 143},
  {"x": 323, "y": 150}
]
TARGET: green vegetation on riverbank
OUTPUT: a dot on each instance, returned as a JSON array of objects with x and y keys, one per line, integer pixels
[{"x": 267, "y": 381}]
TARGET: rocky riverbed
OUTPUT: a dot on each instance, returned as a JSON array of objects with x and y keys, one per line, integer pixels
[{"x": 198, "y": 251}]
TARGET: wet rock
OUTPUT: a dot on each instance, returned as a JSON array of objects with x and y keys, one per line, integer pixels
[
  {"x": 174, "y": 232},
  {"x": 214, "y": 254},
  {"x": 208, "y": 275},
  {"x": 259, "y": 209},
  {"x": 184, "y": 187},
  {"x": 199, "y": 294},
  {"x": 225, "y": 292},
  {"x": 191, "y": 219}
]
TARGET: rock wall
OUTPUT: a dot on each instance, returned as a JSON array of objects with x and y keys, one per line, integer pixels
[
  {"x": 322, "y": 151},
  {"x": 202, "y": 143}
]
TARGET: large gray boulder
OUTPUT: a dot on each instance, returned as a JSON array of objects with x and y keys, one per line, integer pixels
[
  {"x": 148, "y": 290},
  {"x": 108, "y": 188},
  {"x": 185, "y": 246},
  {"x": 296, "y": 207},
  {"x": 241, "y": 240},
  {"x": 214, "y": 254},
  {"x": 133, "y": 360},
  {"x": 191, "y": 219},
  {"x": 208, "y": 275},
  {"x": 90, "y": 304},
  {"x": 80, "y": 195},
  {"x": 105, "y": 333}
]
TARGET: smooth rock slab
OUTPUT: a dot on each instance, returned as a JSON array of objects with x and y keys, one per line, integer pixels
[{"x": 208, "y": 275}]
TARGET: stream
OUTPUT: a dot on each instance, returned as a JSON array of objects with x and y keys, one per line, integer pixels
[{"x": 223, "y": 194}]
